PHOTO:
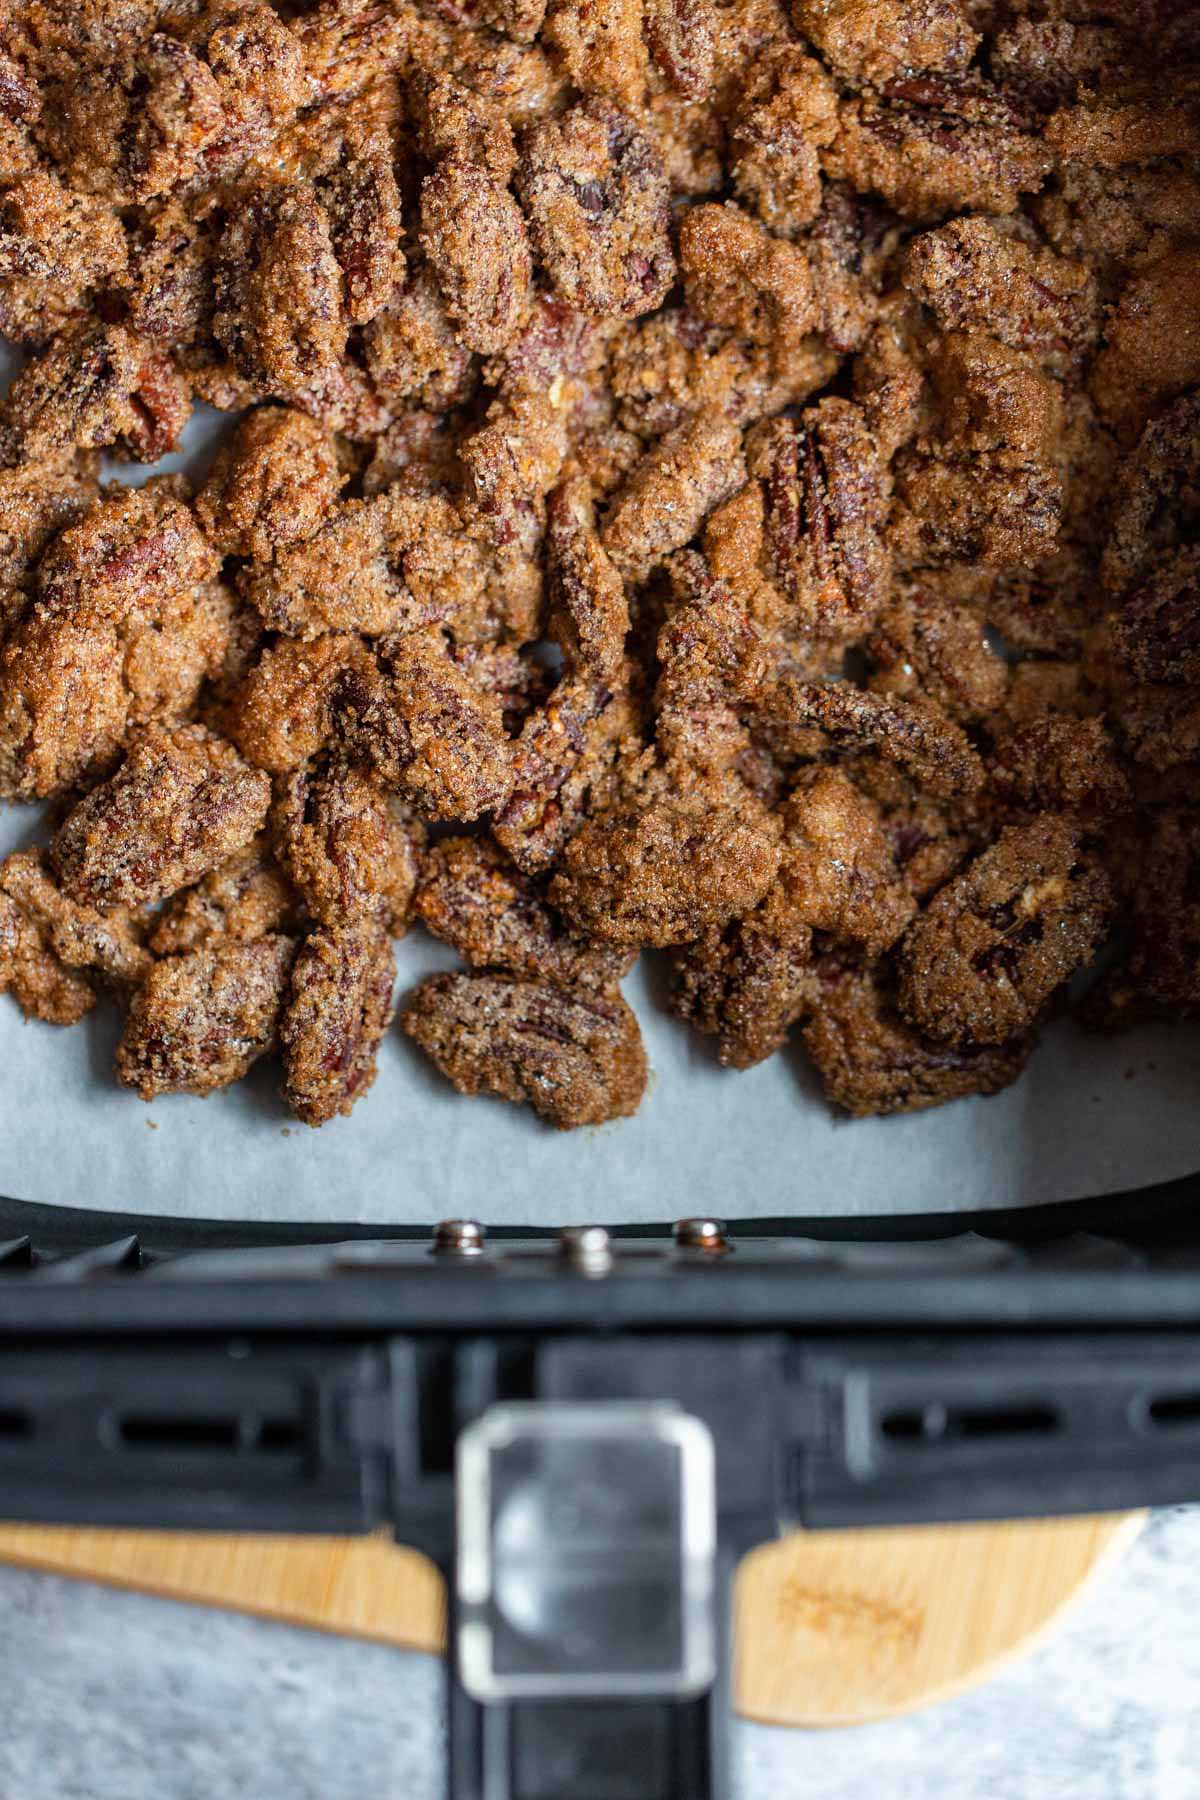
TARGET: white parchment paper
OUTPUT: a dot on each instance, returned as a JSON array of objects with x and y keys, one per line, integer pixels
[{"x": 1089, "y": 1116}]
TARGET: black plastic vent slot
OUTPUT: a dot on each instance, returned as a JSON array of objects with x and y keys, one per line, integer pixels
[
  {"x": 937, "y": 1424},
  {"x": 154, "y": 1432},
  {"x": 1173, "y": 1410}
]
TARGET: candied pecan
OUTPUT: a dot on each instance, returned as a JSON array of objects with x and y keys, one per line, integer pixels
[
  {"x": 930, "y": 839},
  {"x": 1129, "y": 123},
  {"x": 564, "y": 765},
  {"x": 518, "y": 682},
  {"x": 1157, "y": 633},
  {"x": 987, "y": 953},
  {"x": 548, "y": 389},
  {"x": 345, "y": 846},
  {"x": 338, "y": 1008},
  {"x": 1150, "y": 352},
  {"x": 888, "y": 380},
  {"x": 259, "y": 62},
  {"x": 1108, "y": 219},
  {"x": 473, "y": 898},
  {"x": 362, "y": 203},
  {"x": 108, "y": 943},
  {"x": 418, "y": 451},
  {"x": 179, "y": 103},
  {"x": 871, "y": 1062},
  {"x": 558, "y": 349},
  {"x": 33, "y": 974},
  {"x": 680, "y": 35},
  {"x": 273, "y": 482},
  {"x": 167, "y": 287},
  {"x": 348, "y": 44},
  {"x": 282, "y": 712},
  {"x": 170, "y": 648},
  {"x": 451, "y": 121},
  {"x": 670, "y": 367},
  {"x": 519, "y": 19},
  {"x": 474, "y": 237},
  {"x": 603, "y": 458},
  {"x": 689, "y": 138},
  {"x": 19, "y": 96},
  {"x": 173, "y": 115},
  {"x": 521, "y": 79},
  {"x": 1158, "y": 726},
  {"x": 736, "y": 274},
  {"x": 277, "y": 308},
  {"x": 928, "y": 645},
  {"x": 786, "y": 113},
  {"x": 912, "y": 733},
  {"x": 824, "y": 497},
  {"x": 1047, "y": 61},
  {"x": 849, "y": 247},
  {"x": 392, "y": 563},
  {"x": 665, "y": 499},
  {"x": 63, "y": 704},
  {"x": 993, "y": 398},
  {"x": 138, "y": 549},
  {"x": 199, "y": 1022},
  {"x": 987, "y": 485},
  {"x": 708, "y": 647},
  {"x": 1062, "y": 765},
  {"x": 426, "y": 728},
  {"x": 872, "y": 42},
  {"x": 412, "y": 351},
  {"x": 36, "y": 500},
  {"x": 1157, "y": 496},
  {"x": 94, "y": 386},
  {"x": 1161, "y": 972},
  {"x": 589, "y": 612},
  {"x": 180, "y": 803},
  {"x": 664, "y": 871},
  {"x": 748, "y": 984},
  {"x": 932, "y": 144},
  {"x": 977, "y": 276},
  {"x": 56, "y": 248},
  {"x": 601, "y": 46},
  {"x": 597, "y": 200},
  {"x": 244, "y": 898},
  {"x": 838, "y": 869},
  {"x": 575, "y": 1056},
  {"x": 510, "y": 464}
]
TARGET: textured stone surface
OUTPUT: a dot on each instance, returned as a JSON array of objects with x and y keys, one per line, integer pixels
[{"x": 111, "y": 1696}]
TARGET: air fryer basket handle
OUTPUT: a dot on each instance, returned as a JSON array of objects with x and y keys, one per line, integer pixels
[{"x": 653, "y": 1748}]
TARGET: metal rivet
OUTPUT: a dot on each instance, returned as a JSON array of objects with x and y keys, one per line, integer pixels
[
  {"x": 459, "y": 1237},
  {"x": 586, "y": 1247},
  {"x": 708, "y": 1235}
]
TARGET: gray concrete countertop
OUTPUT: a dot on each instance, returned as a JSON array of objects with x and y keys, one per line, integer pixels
[{"x": 113, "y": 1696}]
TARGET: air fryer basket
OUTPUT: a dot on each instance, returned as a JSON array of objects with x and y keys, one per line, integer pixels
[{"x": 178, "y": 1373}]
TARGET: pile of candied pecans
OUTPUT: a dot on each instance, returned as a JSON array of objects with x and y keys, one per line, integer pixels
[{"x": 715, "y": 476}]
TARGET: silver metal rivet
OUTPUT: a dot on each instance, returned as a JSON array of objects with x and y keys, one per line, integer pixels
[
  {"x": 459, "y": 1237},
  {"x": 586, "y": 1247},
  {"x": 709, "y": 1235}
]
